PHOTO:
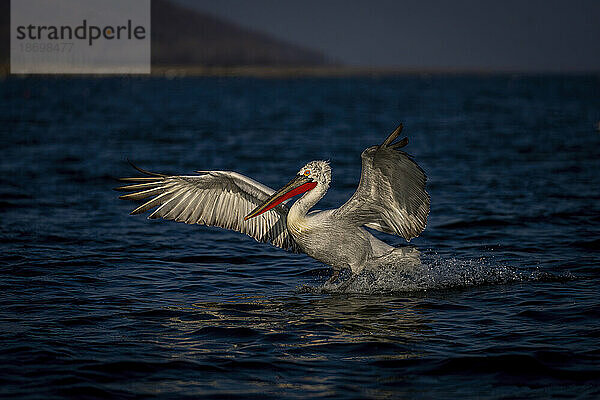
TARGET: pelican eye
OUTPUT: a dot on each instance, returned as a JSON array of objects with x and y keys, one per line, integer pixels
[{"x": 307, "y": 172}]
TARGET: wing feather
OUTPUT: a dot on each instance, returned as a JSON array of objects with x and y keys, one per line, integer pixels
[
  {"x": 185, "y": 214},
  {"x": 143, "y": 194},
  {"x": 391, "y": 195},
  {"x": 152, "y": 203},
  {"x": 165, "y": 207},
  {"x": 213, "y": 198},
  {"x": 178, "y": 206},
  {"x": 195, "y": 215},
  {"x": 141, "y": 186}
]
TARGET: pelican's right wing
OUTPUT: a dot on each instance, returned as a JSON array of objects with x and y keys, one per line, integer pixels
[
  {"x": 391, "y": 195},
  {"x": 212, "y": 198}
]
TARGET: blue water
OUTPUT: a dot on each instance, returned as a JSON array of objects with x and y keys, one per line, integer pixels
[{"x": 97, "y": 303}]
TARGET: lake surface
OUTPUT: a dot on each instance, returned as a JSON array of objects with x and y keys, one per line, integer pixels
[{"x": 97, "y": 303}]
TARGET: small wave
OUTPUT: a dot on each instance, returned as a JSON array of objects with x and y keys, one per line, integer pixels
[
  {"x": 588, "y": 244},
  {"x": 486, "y": 222},
  {"x": 226, "y": 332},
  {"x": 434, "y": 274},
  {"x": 523, "y": 367}
]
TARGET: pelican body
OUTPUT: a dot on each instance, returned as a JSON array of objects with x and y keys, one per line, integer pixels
[{"x": 390, "y": 198}]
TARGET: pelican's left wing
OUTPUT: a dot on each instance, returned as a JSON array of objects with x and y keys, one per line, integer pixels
[
  {"x": 391, "y": 195},
  {"x": 213, "y": 198}
]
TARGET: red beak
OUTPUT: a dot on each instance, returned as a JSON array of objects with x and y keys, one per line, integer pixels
[{"x": 296, "y": 186}]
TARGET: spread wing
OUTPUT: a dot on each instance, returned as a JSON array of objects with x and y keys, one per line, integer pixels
[
  {"x": 212, "y": 198},
  {"x": 391, "y": 195}
]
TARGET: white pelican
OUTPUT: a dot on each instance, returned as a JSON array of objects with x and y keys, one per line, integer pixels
[{"x": 390, "y": 198}]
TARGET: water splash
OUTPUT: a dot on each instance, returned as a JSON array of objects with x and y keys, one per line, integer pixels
[{"x": 435, "y": 273}]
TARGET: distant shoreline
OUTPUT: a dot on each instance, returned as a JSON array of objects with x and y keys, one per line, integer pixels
[{"x": 176, "y": 71}]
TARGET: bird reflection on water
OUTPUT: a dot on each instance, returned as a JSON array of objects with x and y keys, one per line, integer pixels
[
  {"x": 283, "y": 336},
  {"x": 295, "y": 325}
]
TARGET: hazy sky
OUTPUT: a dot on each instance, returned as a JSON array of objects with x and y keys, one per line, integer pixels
[{"x": 547, "y": 35}]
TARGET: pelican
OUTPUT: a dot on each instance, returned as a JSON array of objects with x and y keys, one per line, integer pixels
[{"x": 390, "y": 198}]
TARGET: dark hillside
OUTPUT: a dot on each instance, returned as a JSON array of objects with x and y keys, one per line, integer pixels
[{"x": 186, "y": 37}]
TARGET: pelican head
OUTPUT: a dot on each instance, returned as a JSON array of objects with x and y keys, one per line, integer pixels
[
  {"x": 319, "y": 171},
  {"x": 312, "y": 174}
]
